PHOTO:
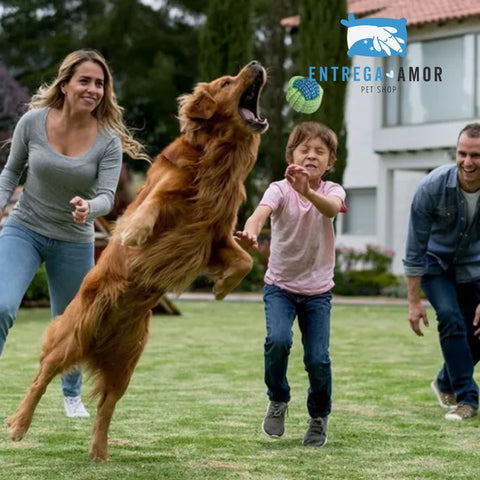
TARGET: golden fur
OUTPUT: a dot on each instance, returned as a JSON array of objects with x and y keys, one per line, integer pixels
[{"x": 180, "y": 224}]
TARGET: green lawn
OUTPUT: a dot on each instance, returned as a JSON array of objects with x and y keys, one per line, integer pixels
[{"x": 196, "y": 401}]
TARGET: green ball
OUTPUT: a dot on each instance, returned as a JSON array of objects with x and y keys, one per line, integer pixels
[
  {"x": 296, "y": 99},
  {"x": 304, "y": 94}
]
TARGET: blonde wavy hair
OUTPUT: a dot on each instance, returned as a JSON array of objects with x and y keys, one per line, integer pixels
[{"x": 109, "y": 114}]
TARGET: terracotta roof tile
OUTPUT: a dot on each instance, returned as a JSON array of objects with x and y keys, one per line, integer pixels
[
  {"x": 430, "y": 11},
  {"x": 364, "y": 8},
  {"x": 416, "y": 12}
]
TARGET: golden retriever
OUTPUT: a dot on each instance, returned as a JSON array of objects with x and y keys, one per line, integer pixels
[{"x": 180, "y": 225}]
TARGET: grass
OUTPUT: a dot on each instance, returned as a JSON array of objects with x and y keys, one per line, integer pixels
[{"x": 195, "y": 404}]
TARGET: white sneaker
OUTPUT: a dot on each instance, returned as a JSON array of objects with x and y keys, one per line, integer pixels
[
  {"x": 461, "y": 412},
  {"x": 74, "y": 407}
]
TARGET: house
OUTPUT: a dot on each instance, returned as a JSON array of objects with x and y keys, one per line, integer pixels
[{"x": 397, "y": 135}]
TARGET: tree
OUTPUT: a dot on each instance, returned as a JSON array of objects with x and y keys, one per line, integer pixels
[
  {"x": 226, "y": 39},
  {"x": 226, "y": 45},
  {"x": 323, "y": 42},
  {"x": 272, "y": 51},
  {"x": 153, "y": 55},
  {"x": 12, "y": 104}
]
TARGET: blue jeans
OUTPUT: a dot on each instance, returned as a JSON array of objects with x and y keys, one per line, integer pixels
[
  {"x": 22, "y": 251},
  {"x": 313, "y": 312},
  {"x": 455, "y": 305}
]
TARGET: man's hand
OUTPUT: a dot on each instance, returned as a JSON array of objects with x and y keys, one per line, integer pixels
[
  {"x": 1, "y": 213},
  {"x": 417, "y": 312},
  {"x": 476, "y": 321},
  {"x": 81, "y": 211},
  {"x": 246, "y": 240}
]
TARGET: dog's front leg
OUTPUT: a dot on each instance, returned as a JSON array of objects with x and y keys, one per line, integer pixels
[
  {"x": 137, "y": 228},
  {"x": 234, "y": 263}
]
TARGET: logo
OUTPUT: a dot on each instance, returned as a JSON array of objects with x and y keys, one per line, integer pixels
[{"x": 376, "y": 37}]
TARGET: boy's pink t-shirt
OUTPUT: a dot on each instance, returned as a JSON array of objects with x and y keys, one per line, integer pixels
[{"x": 302, "y": 247}]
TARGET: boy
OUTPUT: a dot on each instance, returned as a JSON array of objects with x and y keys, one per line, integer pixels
[{"x": 299, "y": 277}]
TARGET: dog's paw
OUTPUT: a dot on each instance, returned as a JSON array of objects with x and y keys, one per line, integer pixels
[
  {"x": 15, "y": 433},
  {"x": 135, "y": 237},
  {"x": 98, "y": 454},
  {"x": 219, "y": 289}
]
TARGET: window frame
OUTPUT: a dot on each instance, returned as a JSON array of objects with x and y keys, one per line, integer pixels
[
  {"x": 397, "y": 98},
  {"x": 350, "y": 206}
]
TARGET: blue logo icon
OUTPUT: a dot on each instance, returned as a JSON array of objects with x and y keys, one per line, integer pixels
[{"x": 376, "y": 37}]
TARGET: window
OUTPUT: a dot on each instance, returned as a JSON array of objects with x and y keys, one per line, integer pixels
[
  {"x": 361, "y": 217},
  {"x": 421, "y": 101}
]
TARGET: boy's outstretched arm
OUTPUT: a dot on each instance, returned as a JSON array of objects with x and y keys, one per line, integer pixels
[
  {"x": 328, "y": 206},
  {"x": 247, "y": 238},
  {"x": 298, "y": 177}
]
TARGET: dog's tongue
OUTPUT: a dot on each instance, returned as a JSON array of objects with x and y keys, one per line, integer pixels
[{"x": 247, "y": 114}]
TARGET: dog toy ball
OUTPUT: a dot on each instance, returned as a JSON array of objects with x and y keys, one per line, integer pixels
[{"x": 304, "y": 94}]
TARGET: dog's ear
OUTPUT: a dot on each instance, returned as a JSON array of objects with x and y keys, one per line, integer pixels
[{"x": 200, "y": 105}]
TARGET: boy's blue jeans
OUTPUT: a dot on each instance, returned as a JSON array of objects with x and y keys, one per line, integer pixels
[
  {"x": 21, "y": 253},
  {"x": 313, "y": 312},
  {"x": 455, "y": 305}
]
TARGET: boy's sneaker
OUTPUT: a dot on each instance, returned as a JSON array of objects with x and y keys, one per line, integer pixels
[
  {"x": 445, "y": 399},
  {"x": 461, "y": 412},
  {"x": 316, "y": 435},
  {"x": 74, "y": 407},
  {"x": 274, "y": 422}
]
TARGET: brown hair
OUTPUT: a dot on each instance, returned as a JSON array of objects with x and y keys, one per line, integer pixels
[
  {"x": 307, "y": 130},
  {"x": 471, "y": 130},
  {"x": 109, "y": 114}
]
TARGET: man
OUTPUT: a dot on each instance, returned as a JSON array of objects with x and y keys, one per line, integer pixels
[{"x": 443, "y": 259}]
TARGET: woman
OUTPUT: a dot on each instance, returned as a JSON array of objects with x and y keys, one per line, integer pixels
[{"x": 72, "y": 138}]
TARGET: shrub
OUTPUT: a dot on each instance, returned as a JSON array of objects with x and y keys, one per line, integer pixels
[
  {"x": 365, "y": 272},
  {"x": 399, "y": 290},
  {"x": 362, "y": 282},
  {"x": 372, "y": 258}
]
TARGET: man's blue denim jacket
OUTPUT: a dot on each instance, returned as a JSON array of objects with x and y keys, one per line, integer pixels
[{"x": 439, "y": 236}]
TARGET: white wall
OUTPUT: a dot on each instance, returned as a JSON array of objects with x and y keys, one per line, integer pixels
[
  {"x": 362, "y": 164},
  {"x": 405, "y": 183},
  {"x": 393, "y": 159}
]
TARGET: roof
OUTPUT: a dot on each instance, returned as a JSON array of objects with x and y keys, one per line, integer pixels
[{"x": 417, "y": 13}]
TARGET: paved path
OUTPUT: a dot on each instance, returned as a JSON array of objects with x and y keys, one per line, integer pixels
[{"x": 337, "y": 299}]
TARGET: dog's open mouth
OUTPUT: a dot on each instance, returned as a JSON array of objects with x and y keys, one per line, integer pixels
[{"x": 249, "y": 101}]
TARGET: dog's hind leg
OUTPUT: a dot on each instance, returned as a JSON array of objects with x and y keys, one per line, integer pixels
[
  {"x": 19, "y": 423},
  {"x": 113, "y": 380},
  {"x": 55, "y": 358},
  {"x": 105, "y": 409},
  {"x": 113, "y": 387}
]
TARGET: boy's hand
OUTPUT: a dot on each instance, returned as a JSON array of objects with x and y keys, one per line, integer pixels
[
  {"x": 298, "y": 178},
  {"x": 246, "y": 240}
]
